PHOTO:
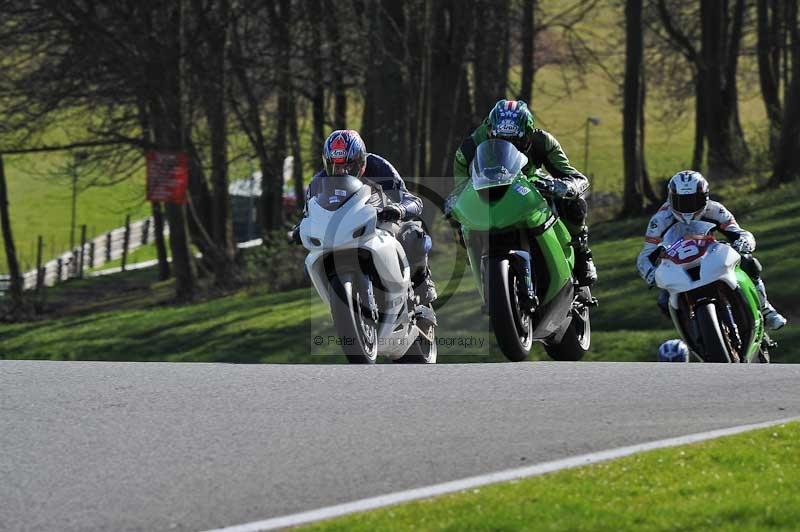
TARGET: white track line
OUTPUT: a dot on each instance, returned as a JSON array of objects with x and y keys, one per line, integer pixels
[{"x": 482, "y": 480}]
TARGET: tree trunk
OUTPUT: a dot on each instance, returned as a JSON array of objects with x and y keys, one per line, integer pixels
[
  {"x": 633, "y": 198},
  {"x": 787, "y": 163},
  {"x": 313, "y": 9},
  {"x": 699, "y": 122},
  {"x": 491, "y": 48},
  {"x": 214, "y": 91},
  {"x": 298, "y": 176},
  {"x": 450, "y": 106},
  {"x": 768, "y": 67},
  {"x": 385, "y": 105},
  {"x": 727, "y": 151},
  {"x": 161, "y": 246},
  {"x": 167, "y": 121},
  {"x": 528, "y": 49},
  {"x": 272, "y": 190},
  {"x": 338, "y": 67},
  {"x": 15, "y": 287}
]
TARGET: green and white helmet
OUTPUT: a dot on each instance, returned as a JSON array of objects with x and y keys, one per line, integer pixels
[{"x": 511, "y": 120}]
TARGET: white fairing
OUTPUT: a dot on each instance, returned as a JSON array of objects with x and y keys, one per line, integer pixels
[
  {"x": 717, "y": 264},
  {"x": 324, "y": 232}
]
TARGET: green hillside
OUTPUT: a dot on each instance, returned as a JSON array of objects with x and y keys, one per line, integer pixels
[{"x": 131, "y": 322}]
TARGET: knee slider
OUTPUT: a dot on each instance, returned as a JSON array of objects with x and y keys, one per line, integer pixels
[{"x": 751, "y": 266}]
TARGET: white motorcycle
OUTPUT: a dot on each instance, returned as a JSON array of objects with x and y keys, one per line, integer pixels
[
  {"x": 712, "y": 302},
  {"x": 360, "y": 270}
]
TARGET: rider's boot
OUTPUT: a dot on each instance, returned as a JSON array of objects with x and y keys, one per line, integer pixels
[
  {"x": 424, "y": 287},
  {"x": 772, "y": 318},
  {"x": 584, "y": 270}
]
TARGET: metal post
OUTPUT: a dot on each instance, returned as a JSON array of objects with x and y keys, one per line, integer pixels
[
  {"x": 78, "y": 158},
  {"x": 126, "y": 241},
  {"x": 39, "y": 269},
  {"x": 108, "y": 246},
  {"x": 59, "y": 269},
  {"x": 590, "y": 120},
  {"x": 83, "y": 251},
  {"x": 145, "y": 231},
  {"x": 91, "y": 254},
  {"x": 74, "y": 202}
]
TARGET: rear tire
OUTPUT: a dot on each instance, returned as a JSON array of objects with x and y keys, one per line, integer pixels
[
  {"x": 512, "y": 327},
  {"x": 422, "y": 351},
  {"x": 356, "y": 330},
  {"x": 714, "y": 345},
  {"x": 578, "y": 338}
]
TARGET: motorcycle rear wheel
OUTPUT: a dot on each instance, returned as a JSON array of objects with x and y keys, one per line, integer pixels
[
  {"x": 578, "y": 338},
  {"x": 423, "y": 350}
]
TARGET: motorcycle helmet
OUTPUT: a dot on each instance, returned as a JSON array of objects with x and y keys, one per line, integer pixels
[
  {"x": 511, "y": 120},
  {"x": 673, "y": 351},
  {"x": 688, "y": 195},
  {"x": 344, "y": 153}
]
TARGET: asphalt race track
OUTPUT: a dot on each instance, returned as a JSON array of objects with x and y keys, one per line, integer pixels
[{"x": 133, "y": 446}]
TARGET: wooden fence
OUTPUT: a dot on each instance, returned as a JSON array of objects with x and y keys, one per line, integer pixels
[{"x": 113, "y": 245}]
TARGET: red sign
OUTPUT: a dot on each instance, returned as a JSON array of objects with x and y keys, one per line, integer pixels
[{"x": 167, "y": 176}]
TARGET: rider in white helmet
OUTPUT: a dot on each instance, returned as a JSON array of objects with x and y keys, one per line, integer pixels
[{"x": 687, "y": 201}]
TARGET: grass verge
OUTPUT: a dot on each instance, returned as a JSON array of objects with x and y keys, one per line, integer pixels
[{"x": 747, "y": 482}]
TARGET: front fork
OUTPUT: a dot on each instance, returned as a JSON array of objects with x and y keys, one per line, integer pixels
[{"x": 520, "y": 262}]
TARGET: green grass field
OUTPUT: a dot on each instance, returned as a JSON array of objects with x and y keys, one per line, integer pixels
[
  {"x": 747, "y": 482},
  {"x": 133, "y": 319}
]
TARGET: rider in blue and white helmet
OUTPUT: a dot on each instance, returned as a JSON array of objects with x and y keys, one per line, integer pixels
[{"x": 687, "y": 201}]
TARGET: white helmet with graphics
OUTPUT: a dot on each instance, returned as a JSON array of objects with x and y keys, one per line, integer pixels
[{"x": 688, "y": 195}]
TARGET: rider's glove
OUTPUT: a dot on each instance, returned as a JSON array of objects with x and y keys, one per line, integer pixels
[
  {"x": 557, "y": 188},
  {"x": 392, "y": 213},
  {"x": 742, "y": 245},
  {"x": 293, "y": 236},
  {"x": 650, "y": 278}
]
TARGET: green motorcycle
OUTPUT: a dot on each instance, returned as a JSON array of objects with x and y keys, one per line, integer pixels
[{"x": 520, "y": 256}]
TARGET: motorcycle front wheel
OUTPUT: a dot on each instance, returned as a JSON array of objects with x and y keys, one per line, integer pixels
[
  {"x": 352, "y": 320},
  {"x": 714, "y": 345},
  {"x": 513, "y": 327}
]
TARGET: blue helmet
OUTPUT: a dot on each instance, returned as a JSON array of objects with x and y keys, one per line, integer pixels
[
  {"x": 673, "y": 351},
  {"x": 511, "y": 120},
  {"x": 344, "y": 152}
]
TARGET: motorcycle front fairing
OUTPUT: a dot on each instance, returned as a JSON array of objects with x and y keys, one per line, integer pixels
[
  {"x": 500, "y": 199},
  {"x": 718, "y": 264},
  {"x": 336, "y": 234}
]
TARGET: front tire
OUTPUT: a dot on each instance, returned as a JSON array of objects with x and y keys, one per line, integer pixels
[
  {"x": 354, "y": 326},
  {"x": 714, "y": 346},
  {"x": 513, "y": 327}
]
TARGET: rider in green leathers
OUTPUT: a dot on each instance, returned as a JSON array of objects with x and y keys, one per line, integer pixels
[{"x": 512, "y": 121}]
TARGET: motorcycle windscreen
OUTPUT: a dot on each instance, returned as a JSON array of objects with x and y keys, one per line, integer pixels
[
  {"x": 496, "y": 163},
  {"x": 334, "y": 191},
  {"x": 680, "y": 230}
]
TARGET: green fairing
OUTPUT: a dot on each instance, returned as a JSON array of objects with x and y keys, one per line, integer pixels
[
  {"x": 751, "y": 296},
  {"x": 522, "y": 206}
]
